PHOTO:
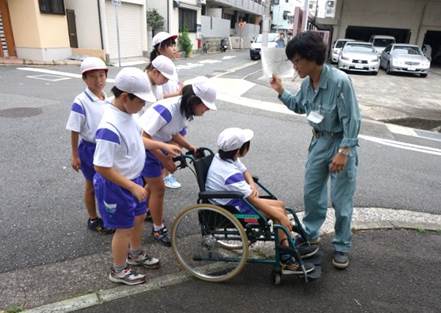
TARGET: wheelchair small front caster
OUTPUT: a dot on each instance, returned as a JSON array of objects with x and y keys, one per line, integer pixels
[{"x": 276, "y": 278}]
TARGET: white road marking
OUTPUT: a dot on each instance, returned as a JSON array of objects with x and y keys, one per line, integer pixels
[
  {"x": 209, "y": 61},
  {"x": 48, "y": 77},
  {"x": 396, "y": 129},
  {"x": 60, "y": 73},
  {"x": 228, "y": 57},
  {"x": 402, "y": 145}
]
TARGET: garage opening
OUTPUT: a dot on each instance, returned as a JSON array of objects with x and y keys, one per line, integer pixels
[
  {"x": 363, "y": 33},
  {"x": 433, "y": 38}
]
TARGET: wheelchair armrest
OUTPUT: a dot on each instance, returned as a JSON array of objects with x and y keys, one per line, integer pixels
[{"x": 205, "y": 195}]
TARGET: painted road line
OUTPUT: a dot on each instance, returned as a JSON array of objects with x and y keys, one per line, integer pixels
[
  {"x": 59, "y": 73},
  {"x": 396, "y": 129},
  {"x": 228, "y": 57},
  {"x": 48, "y": 77},
  {"x": 402, "y": 145}
]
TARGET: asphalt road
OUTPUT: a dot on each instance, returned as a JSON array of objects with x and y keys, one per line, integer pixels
[{"x": 42, "y": 216}]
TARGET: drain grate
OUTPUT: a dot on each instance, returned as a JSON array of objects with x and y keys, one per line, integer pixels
[{"x": 20, "y": 112}]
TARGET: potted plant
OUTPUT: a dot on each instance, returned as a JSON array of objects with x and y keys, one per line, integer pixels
[{"x": 184, "y": 42}]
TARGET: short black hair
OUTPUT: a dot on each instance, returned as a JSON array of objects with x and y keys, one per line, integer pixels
[
  {"x": 188, "y": 102},
  {"x": 117, "y": 92},
  {"x": 84, "y": 75},
  {"x": 229, "y": 155},
  {"x": 308, "y": 45},
  {"x": 166, "y": 43}
]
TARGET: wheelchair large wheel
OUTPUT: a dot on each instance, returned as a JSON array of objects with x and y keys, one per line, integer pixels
[{"x": 195, "y": 237}]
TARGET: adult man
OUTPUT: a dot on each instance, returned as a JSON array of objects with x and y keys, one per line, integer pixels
[{"x": 328, "y": 99}]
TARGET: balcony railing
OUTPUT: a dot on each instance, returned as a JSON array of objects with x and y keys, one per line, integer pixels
[{"x": 245, "y": 5}]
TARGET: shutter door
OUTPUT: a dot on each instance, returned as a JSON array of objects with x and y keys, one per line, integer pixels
[{"x": 130, "y": 30}]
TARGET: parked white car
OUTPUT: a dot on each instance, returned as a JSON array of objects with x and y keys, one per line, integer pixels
[
  {"x": 380, "y": 42},
  {"x": 336, "y": 48},
  {"x": 256, "y": 45},
  {"x": 404, "y": 58},
  {"x": 360, "y": 57}
]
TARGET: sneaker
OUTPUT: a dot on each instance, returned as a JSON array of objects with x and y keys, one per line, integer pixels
[
  {"x": 292, "y": 267},
  {"x": 97, "y": 225},
  {"x": 306, "y": 249},
  {"x": 340, "y": 260},
  {"x": 143, "y": 259},
  {"x": 161, "y": 235},
  {"x": 127, "y": 276},
  {"x": 171, "y": 182}
]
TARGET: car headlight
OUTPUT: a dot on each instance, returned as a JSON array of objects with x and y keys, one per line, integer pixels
[{"x": 344, "y": 58}]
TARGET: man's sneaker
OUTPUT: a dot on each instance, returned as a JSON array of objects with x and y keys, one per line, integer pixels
[
  {"x": 97, "y": 225},
  {"x": 161, "y": 235},
  {"x": 127, "y": 276},
  {"x": 143, "y": 259},
  {"x": 340, "y": 260},
  {"x": 292, "y": 267},
  {"x": 171, "y": 182}
]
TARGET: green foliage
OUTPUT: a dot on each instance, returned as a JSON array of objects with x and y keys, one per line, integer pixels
[
  {"x": 184, "y": 42},
  {"x": 13, "y": 308},
  {"x": 155, "y": 20}
]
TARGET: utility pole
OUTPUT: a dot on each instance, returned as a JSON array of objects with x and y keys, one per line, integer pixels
[
  {"x": 116, "y": 4},
  {"x": 266, "y": 22},
  {"x": 305, "y": 15}
]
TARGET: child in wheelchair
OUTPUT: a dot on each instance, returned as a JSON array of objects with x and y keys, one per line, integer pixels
[{"x": 228, "y": 173}]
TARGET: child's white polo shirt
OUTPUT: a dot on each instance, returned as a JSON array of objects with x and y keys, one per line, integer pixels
[
  {"x": 85, "y": 115},
  {"x": 119, "y": 143},
  {"x": 163, "y": 119},
  {"x": 170, "y": 87},
  {"x": 227, "y": 176}
]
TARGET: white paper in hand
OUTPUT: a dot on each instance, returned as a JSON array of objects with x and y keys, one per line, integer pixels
[{"x": 274, "y": 61}]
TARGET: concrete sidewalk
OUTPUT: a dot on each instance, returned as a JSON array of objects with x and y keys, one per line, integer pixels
[{"x": 84, "y": 284}]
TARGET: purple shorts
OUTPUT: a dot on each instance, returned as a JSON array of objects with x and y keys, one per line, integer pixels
[
  {"x": 152, "y": 166},
  {"x": 85, "y": 151},
  {"x": 118, "y": 207},
  {"x": 242, "y": 206}
]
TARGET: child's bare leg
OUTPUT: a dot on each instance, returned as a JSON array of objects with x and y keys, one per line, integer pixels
[
  {"x": 120, "y": 245},
  {"x": 156, "y": 198},
  {"x": 89, "y": 199},
  {"x": 138, "y": 229}
]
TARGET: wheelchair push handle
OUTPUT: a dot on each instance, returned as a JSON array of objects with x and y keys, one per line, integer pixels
[{"x": 181, "y": 160}]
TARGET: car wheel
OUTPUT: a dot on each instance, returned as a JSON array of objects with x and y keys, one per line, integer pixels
[
  {"x": 423, "y": 75},
  {"x": 375, "y": 73}
]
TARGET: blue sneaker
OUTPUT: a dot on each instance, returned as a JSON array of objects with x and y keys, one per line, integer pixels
[{"x": 171, "y": 182}]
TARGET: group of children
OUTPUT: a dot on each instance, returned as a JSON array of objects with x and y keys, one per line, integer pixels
[{"x": 124, "y": 150}]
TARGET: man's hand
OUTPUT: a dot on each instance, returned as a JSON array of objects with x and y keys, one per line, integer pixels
[
  {"x": 338, "y": 163},
  {"x": 276, "y": 84},
  {"x": 138, "y": 192},
  {"x": 75, "y": 163}
]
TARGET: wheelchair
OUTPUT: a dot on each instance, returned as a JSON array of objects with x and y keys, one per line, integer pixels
[{"x": 213, "y": 242}]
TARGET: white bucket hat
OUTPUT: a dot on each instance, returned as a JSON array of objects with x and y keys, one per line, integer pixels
[
  {"x": 166, "y": 67},
  {"x": 205, "y": 90},
  {"x": 233, "y": 138},
  {"x": 133, "y": 80},
  {"x": 162, "y": 36},
  {"x": 91, "y": 64}
]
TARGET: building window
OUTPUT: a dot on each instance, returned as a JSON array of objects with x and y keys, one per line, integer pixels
[
  {"x": 51, "y": 6},
  {"x": 187, "y": 19}
]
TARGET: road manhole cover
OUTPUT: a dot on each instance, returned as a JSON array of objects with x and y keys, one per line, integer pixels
[{"x": 20, "y": 112}]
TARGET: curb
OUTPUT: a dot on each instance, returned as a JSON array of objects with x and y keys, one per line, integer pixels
[{"x": 363, "y": 219}]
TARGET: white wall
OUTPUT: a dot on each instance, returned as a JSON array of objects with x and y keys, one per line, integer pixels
[
  {"x": 215, "y": 27},
  {"x": 277, "y": 18},
  {"x": 87, "y": 22},
  {"x": 174, "y": 19}
]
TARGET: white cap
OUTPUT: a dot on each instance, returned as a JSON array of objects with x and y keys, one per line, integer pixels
[
  {"x": 233, "y": 138},
  {"x": 91, "y": 64},
  {"x": 133, "y": 80},
  {"x": 161, "y": 36},
  {"x": 203, "y": 88},
  {"x": 166, "y": 67}
]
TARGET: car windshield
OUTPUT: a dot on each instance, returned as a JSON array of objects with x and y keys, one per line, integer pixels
[
  {"x": 406, "y": 50},
  {"x": 383, "y": 42},
  {"x": 271, "y": 38},
  {"x": 340, "y": 43},
  {"x": 351, "y": 47}
]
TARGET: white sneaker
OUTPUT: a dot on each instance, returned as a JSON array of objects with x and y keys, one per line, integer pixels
[{"x": 171, "y": 182}]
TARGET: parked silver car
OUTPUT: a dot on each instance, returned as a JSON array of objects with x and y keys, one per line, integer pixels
[
  {"x": 336, "y": 48},
  {"x": 359, "y": 56},
  {"x": 404, "y": 58}
]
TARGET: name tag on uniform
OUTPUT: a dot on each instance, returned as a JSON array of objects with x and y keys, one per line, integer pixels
[{"x": 315, "y": 117}]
